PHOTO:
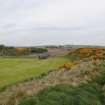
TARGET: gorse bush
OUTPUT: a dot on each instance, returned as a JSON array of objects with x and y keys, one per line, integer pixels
[
  {"x": 88, "y": 52},
  {"x": 69, "y": 65},
  {"x": 66, "y": 95}
]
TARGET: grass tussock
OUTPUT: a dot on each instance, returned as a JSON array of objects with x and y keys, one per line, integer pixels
[{"x": 66, "y": 95}]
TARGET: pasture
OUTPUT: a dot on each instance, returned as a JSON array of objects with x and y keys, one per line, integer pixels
[{"x": 13, "y": 70}]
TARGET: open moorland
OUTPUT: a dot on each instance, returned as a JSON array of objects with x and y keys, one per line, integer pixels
[{"x": 75, "y": 78}]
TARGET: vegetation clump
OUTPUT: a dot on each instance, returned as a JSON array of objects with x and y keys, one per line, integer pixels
[
  {"x": 66, "y": 95},
  {"x": 89, "y": 52},
  {"x": 20, "y": 51},
  {"x": 69, "y": 65}
]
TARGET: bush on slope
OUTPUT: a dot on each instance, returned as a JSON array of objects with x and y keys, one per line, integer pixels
[{"x": 66, "y": 95}]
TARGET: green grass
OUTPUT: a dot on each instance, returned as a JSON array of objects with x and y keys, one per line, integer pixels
[
  {"x": 86, "y": 94},
  {"x": 13, "y": 70},
  {"x": 72, "y": 57},
  {"x": 66, "y": 95},
  {"x": 100, "y": 79}
]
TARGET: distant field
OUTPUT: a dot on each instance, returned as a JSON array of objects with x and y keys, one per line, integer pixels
[{"x": 13, "y": 70}]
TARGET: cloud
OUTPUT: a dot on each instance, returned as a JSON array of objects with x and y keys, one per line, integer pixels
[{"x": 28, "y": 22}]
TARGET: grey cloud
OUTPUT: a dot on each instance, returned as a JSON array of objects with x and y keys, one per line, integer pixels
[{"x": 28, "y": 22}]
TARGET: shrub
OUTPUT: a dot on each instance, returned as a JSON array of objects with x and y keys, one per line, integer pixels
[
  {"x": 67, "y": 95},
  {"x": 69, "y": 65}
]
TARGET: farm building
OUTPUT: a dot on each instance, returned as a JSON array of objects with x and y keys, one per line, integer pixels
[{"x": 43, "y": 55}]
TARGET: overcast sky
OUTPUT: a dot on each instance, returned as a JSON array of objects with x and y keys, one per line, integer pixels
[{"x": 43, "y": 22}]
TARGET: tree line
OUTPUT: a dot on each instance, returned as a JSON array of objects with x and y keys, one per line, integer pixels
[{"x": 19, "y": 51}]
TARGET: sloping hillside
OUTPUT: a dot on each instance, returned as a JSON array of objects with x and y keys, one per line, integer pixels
[
  {"x": 89, "y": 52},
  {"x": 90, "y": 71},
  {"x": 80, "y": 74}
]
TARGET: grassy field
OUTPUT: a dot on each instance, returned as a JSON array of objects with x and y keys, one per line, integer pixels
[{"x": 13, "y": 70}]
